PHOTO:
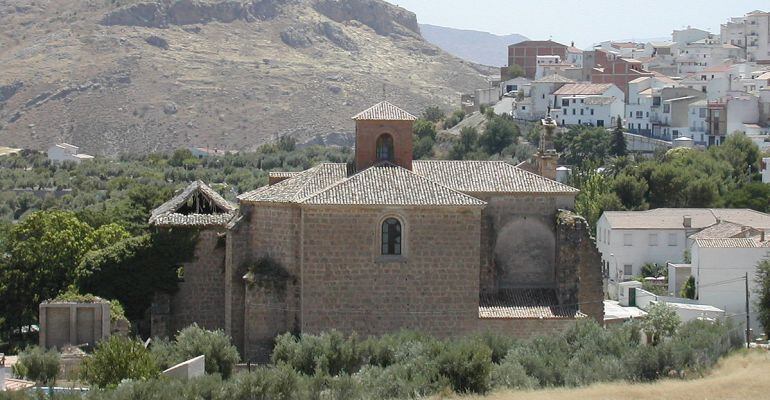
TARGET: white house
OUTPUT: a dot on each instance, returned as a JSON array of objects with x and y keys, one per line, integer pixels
[
  {"x": 696, "y": 119},
  {"x": 595, "y": 104},
  {"x": 513, "y": 86},
  {"x": 689, "y": 35},
  {"x": 66, "y": 152},
  {"x": 641, "y": 92},
  {"x": 629, "y": 239},
  {"x": 543, "y": 61},
  {"x": 720, "y": 267},
  {"x": 541, "y": 93},
  {"x": 749, "y": 32}
]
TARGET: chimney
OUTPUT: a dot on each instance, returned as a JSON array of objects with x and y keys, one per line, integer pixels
[{"x": 687, "y": 222}]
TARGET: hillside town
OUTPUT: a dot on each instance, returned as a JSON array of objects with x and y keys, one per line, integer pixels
[
  {"x": 592, "y": 223},
  {"x": 699, "y": 87}
]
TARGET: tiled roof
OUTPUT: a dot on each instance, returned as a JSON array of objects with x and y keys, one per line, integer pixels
[
  {"x": 599, "y": 100},
  {"x": 583, "y": 88},
  {"x": 299, "y": 186},
  {"x": 536, "y": 43},
  {"x": 487, "y": 177},
  {"x": 673, "y": 218},
  {"x": 13, "y": 384},
  {"x": 718, "y": 68},
  {"x": 166, "y": 214},
  {"x": 384, "y": 111},
  {"x": 554, "y": 78},
  {"x": 525, "y": 303},
  {"x": 744, "y": 243},
  {"x": 283, "y": 174},
  {"x": 725, "y": 229},
  {"x": 388, "y": 184}
]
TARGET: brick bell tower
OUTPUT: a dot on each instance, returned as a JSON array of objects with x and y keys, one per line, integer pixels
[{"x": 383, "y": 134}]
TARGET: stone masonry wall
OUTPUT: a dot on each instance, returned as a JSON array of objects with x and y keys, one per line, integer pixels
[
  {"x": 519, "y": 239},
  {"x": 273, "y": 230},
  {"x": 201, "y": 295},
  {"x": 348, "y": 286},
  {"x": 525, "y": 328},
  {"x": 578, "y": 266}
]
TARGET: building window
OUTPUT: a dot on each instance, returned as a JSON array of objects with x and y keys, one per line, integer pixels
[
  {"x": 592, "y": 111},
  {"x": 564, "y": 102},
  {"x": 628, "y": 269},
  {"x": 391, "y": 237},
  {"x": 581, "y": 111},
  {"x": 385, "y": 148},
  {"x": 599, "y": 122},
  {"x": 653, "y": 239},
  {"x": 666, "y": 108},
  {"x": 627, "y": 239},
  {"x": 672, "y": 237}
]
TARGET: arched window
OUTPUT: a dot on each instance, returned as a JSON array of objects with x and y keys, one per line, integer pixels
[
  {"x": 385, "y": 148},
  {"x": 391, "y": 237}
]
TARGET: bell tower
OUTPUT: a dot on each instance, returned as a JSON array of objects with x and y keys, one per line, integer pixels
[
  {"x": 547, "y": 158},
  {"x": 383, "y": 134}
]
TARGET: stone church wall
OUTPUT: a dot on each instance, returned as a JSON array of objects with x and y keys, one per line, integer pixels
[
  {"x": 519, "y": 239},
  {"x": 271, "y": 309},
  {"x": 348, "y": 286},
  {"x": 578, "y": 266},
  {"x": 201, "y": 295}
]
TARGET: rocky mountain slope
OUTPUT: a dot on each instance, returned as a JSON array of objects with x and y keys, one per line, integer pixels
[
  {"x": 475, "y": 46},
  {"x": 116, "y": 76}
]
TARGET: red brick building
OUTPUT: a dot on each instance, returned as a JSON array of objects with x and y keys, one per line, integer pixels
[
  {"x": 609, "y": 68},
  {"x": 524, "y": 54}
]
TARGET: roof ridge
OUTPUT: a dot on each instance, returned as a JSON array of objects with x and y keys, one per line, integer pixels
[{"x": 297, "y": 199}]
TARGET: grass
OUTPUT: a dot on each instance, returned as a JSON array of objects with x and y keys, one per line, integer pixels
[{"x": 738, "y": 377}]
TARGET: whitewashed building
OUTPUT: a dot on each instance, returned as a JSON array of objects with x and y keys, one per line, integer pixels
[
  {"x": 629, "y": 239},
  {"x": 594, "y": 104},
  {"x": 542, "y": 89},
  {"x": 750, "y": 32},
  {"x": 67, "y": 152}
]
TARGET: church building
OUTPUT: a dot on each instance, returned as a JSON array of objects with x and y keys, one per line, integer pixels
[{"x": 383, "y": 244}]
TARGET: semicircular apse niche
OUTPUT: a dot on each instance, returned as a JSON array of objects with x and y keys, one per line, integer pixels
[{"x": 525, "y": 254}]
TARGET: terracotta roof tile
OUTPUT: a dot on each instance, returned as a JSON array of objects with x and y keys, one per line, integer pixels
[
  {"x": 525, "y": 303},
  {"x": 166, "y": 214},
  {"x": 673, "y": 218},
  {"x": 554, "y": 78},
  {"x": 583, "y": 88},
  {"x": 745, "y": 243},
  {"x": 300, "y": 185},
  {"x": 388, "y": 184},
  {"x": 487, "y": 177},
  {"x": 384, "y": 111}
]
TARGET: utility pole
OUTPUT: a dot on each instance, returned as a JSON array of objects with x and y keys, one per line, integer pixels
[{"x": 748, "y": 337}]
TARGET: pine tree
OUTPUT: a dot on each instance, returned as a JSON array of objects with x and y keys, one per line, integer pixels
[{"x": 618, "y": 141}]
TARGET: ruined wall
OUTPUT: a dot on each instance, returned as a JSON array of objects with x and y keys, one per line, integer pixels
[
  {"x": 348, "y": 286},
  {"x": 273, "y": 230},
  {"x": 519, "y": 239},
  {"x": 201, "y": 295},
  {"x": 525, "y": 328},
  {"x": 578, "y": 266}
]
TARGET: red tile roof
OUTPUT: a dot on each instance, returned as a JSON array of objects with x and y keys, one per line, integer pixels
[
  {"x": 583, "y": 88},
  {"x": 384, "y": 111},
  {"x": 525, "y": 303}
]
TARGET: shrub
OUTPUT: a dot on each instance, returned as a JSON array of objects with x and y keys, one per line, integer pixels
[
  {"x": 511, "y": 375},
  {"x": 467, "y": 365},
  {"x": 661, "y": 321},
  {"x": 38, "y": 364},
  {"x": 116, "y": 359},
  {"x": 498, "y": 344},
  {"x": 193, "y": 341},
  {"x": 433, "y": 114},
  {"x": 274, "y": 383},
  {"x": 328, "y": 354}
]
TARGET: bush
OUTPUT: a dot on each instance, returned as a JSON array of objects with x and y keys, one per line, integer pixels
[
  {"x": 467, "y": 365},
  {"x": 274, "y": 383},
  {"x": 454, "y": 119},
  {"x": 327, "y": 354},
  {"x": 38, "y": 364},
  {"x": 116, "y": 359},
  {"x": 512, "y": 375},
  {"x": 193, "y": 341},
  {"x": 661, "y": 321},
  {"x": 433, "y": 114}
]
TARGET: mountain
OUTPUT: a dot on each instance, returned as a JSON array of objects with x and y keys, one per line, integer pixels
[
  {"x": 125, "y": 76},
  {"x": 479, "y": 47}
]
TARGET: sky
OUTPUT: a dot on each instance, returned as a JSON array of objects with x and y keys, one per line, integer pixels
[{"x": 586, "y": 22}]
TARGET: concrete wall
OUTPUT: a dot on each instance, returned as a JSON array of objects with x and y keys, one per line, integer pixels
[
  {"x": 433, "y": 287},
  {"x": 64, "y": 324}
]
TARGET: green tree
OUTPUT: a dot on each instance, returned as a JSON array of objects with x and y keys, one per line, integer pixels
[
  {"x": 433, "y": 114},
  {"x": 515, "y": 71},
  {"x": 116, "y": 359},
  {"x": 661, "y": 321},
  {"x": 499, "y": 134},
  {"x": 581, "y": 145},
  {"x": 755, "y": 196},
  {"x": 618, "y": 141},
  {"x": 423, "y": 128},
  {"x": 631, "y": 191},
  {"x": 688, "y": 289},
  {"x": 741, "y": 153},
  {"x": 595, "y": 197},
  {"x": 465, "y": 144},
  {"x": 193, "y": 341},
  {"x": 423, "y": 147},
  {"x": 762, "y": 280},
  {"x": 454, "y": 119}
]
